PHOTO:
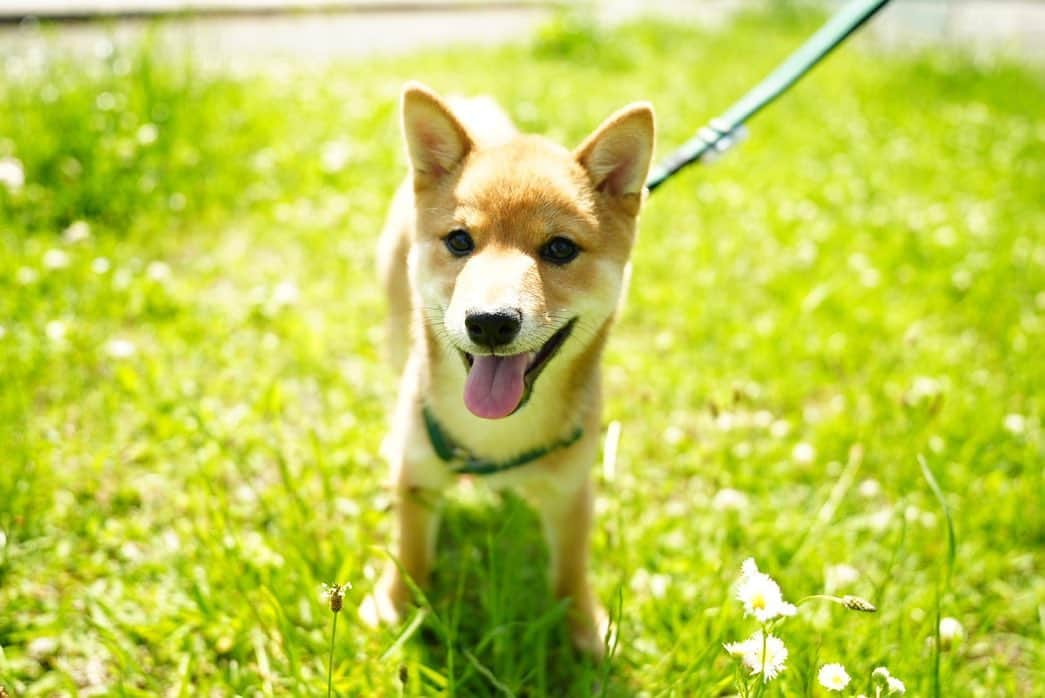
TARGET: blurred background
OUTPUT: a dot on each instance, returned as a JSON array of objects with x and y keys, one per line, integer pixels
[
  {"x": 192, "y": 395},
  {"x": 324, "y": 29}
]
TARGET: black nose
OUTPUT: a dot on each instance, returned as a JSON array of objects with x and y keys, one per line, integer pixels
[{"x": 493, "y": 329}]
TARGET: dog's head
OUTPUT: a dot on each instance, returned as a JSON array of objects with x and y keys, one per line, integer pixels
[{"x": 521, "y": 245}]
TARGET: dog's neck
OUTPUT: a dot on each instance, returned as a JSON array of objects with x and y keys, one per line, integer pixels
[{"x": 563, "y": 398}]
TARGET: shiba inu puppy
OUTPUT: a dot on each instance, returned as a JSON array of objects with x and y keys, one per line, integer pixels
[{"x": 504, "y": 256}]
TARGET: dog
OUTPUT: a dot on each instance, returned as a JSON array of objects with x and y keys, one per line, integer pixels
[{"x": 504, "y": 257}]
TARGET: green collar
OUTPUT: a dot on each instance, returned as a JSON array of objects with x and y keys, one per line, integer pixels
[{"x": 467, "y": 463}]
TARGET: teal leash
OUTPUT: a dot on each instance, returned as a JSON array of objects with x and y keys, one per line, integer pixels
[{"x": 723, "y": 132}]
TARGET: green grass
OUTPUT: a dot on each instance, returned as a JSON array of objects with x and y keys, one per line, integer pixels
[{"x": 860, "y": 284}]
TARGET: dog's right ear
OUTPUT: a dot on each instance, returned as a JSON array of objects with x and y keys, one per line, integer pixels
[
  {"x": 435, "y": 140},
  {"x": 617, "y": 156}
]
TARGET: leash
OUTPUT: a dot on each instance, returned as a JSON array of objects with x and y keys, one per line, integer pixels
[{"x": 725, "y": 131}]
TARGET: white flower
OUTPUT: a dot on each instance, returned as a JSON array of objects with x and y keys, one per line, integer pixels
[
  {"x": 658, "y": 585},
  {"x": 55, "y": 330},
  {"x": 892, "y": 685},
  {"x": 869, "y": 488},
  {"x": 839, "y": 577},
  {"x": 803, "y": 453},
  {"x": 12, "y": 174},
  {"x": 285, "y": 293},
  {"x": 147, "y": 134},
  {"x": 159, "y": 272},
  {"x": 78, "y": 231},
  {"x": 951, "y": 631},
  {"x": 335, "y": 156},
  {"x": 735, "y": 649},
  {"x": 1015, "y": 423},
  {"x": 56, "y": 259},
  {"x": 761, "y": 655},
  {"x": 725, "y": 421},
  {"x": 120, "y": 349},
  {"x": 760, "y": 595},
  {"x": 762, "y": 419},
  {"x": 41, "y": 648},
  {"x": 923, "y": 389},
  {"x": 122, "y": 278},
  {"x": 833, "y": 677},
  {"x": 100, "y": 265},
  {"x": 674, "y": 435},
  {"x": 729, "y": 499},
  {"x": 26, "y": 276}
]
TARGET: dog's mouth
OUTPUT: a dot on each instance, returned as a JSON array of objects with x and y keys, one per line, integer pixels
[{"x": 497, "y": 386}]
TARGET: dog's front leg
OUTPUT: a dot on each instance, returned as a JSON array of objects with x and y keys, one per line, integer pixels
[
  {"x": 566, "y": 519},
  {"x": 417, "y": 509}
]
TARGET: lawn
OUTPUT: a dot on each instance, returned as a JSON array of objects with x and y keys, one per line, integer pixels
[{"x": 192, "y": 397}]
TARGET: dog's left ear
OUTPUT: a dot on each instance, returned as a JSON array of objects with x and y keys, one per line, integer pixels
[
  {"x": 617, "y": 155},
  {"x": 435, "y": 140}
]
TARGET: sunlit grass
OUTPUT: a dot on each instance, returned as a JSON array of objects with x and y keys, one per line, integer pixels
[{"x": 191, "y": 399}]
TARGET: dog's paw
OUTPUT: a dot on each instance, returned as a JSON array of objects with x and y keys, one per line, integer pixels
[
  {"x": 592, "y": 633},
  {"x": 379, "y": 608}
]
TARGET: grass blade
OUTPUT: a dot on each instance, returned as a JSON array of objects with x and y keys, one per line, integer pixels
[{"x": 949, "y": 568}]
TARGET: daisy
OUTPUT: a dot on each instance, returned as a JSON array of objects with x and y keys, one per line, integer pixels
[
  {"x": 78, "y": 231},
  {"x": 951, "y": 631},
  {"x": 893, "y": 685},
  {"x": 760, "y": 654},
  {"x": 285, "y": 293},
  {"x": 56, "y": 259},
  {"x": 729, "y": 499},
  {"x": 55, "y": 330},
  {"x": 803, "y": 453},
  {"x": 760, "y": 595},
  {"x": 120, "y": 348},
  {"x": 833, "y": 677},
  {"x": 157, "y": 271},
  {"x": 12, "y": 174}
]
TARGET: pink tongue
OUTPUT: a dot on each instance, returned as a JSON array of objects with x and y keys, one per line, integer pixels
[{"x": 495, "y": 385}]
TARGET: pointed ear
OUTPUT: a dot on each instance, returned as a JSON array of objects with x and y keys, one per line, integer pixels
[
  {"x": 435, "y": 140},
  {"x": 617, "y": 155}
]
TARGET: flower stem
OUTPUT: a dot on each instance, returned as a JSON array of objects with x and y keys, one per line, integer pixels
[
  {"x": 761, "y": 686},
  {"x": 330, "y": 664}
]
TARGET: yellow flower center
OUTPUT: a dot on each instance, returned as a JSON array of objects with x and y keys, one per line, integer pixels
[{"x": 758, "y": 601}]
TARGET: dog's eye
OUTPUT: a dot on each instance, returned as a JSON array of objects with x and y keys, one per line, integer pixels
[
  {"x": 560, "y": 250},
  {"x": 459, "y": 242}
]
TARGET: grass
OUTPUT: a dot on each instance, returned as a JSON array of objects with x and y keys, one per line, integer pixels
[{"x": 191, "y": 400}]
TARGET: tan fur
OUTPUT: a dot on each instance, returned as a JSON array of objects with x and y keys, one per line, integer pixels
[{"x": 471, "y": 170}]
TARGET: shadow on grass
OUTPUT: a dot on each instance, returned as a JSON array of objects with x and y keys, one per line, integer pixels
[{"x": 495, "y": 628}]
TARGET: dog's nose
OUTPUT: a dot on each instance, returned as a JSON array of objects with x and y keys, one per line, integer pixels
[{"x": 493, "y": 329}]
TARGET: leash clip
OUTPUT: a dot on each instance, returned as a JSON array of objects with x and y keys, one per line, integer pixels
[{"x": 720, "y": 137}]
